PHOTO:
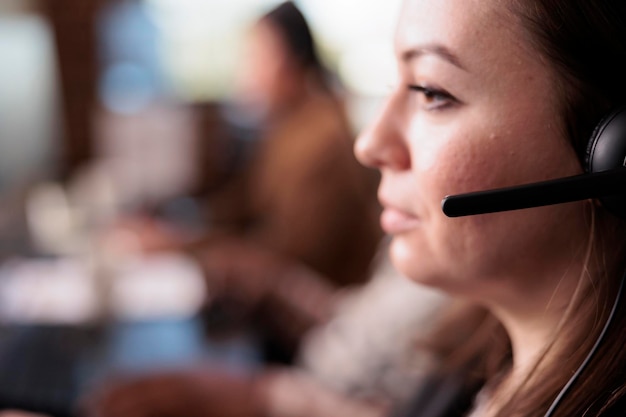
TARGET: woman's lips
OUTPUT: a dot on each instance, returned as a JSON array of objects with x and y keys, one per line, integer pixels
[{"x": 396, "y": 221}]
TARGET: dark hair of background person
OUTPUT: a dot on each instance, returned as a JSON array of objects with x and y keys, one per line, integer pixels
[
  {"x": 584, "y": 42},
  {"x": 294, "y": 29}
]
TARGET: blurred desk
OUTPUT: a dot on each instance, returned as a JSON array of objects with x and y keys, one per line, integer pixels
[
  {"x": 47, "y": 368},
  {"x": 52, "y": 351}
]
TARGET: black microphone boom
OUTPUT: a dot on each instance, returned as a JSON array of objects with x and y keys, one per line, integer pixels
[{"x": 561, "y": 190}]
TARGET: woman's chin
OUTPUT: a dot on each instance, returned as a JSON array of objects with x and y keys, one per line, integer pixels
[{"x": 410, "y": 261}]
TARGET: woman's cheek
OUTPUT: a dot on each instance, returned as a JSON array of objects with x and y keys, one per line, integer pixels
[{"x": 452, "y": 169}]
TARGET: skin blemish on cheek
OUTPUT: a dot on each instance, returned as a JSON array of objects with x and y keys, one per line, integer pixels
[{"x": 463, "y": 172}]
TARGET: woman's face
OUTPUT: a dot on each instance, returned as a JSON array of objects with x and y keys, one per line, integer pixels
[
  {"x": 476, "y": 108},
  {"x": 264, "y": 68}
]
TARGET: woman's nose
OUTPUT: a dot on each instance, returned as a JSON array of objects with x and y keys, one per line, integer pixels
[{"x": 382, "y": 144}]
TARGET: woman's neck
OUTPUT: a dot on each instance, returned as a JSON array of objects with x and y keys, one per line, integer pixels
[{"x": 534, "y": 320}]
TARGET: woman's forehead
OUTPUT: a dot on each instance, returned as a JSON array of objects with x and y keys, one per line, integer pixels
[{"x": 475, "y": 31}]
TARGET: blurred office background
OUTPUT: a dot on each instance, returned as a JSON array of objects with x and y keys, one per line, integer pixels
[
  {"x": 84, "y": 79},
  {"x": 109, "y": 106},
  {"x": 120, "y": 102}
]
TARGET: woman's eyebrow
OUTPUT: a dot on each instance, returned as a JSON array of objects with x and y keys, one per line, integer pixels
[{"x": 433, "y": 49}]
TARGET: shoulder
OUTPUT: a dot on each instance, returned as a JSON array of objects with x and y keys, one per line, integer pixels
[
  {"x": 319, "y": 131},
  {"x": 325, "y": 116}
]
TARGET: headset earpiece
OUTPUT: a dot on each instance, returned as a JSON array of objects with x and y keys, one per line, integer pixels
[
  {"x": 606, "y": 151},
  {"x": 607, "y": 146}
]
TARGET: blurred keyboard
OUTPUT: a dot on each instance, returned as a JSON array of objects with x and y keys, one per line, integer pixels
[
  {"x": 47, "y": 368},
  {"x": 43, "y": 367}
]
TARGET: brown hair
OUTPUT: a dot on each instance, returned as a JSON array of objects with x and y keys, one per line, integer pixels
[
  {"x": 585, "y": 42},
  {"x": 294, "y": 29}
]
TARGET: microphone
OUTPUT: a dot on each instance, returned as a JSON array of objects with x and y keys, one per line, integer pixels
[{"x": 562, "y": 190}]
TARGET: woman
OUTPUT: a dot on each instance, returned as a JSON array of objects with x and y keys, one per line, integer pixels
[
  {"x": 303, "y": 204},
  {"x": 307, "y": 201},
  {"x": 496, "y": 93}
]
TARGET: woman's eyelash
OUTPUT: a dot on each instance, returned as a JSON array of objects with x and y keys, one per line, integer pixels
[
  {"x": 433, "y": 98},
  {"x": 431, "y": 93}
]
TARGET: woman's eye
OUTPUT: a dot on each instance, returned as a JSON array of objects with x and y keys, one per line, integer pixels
[{"x": 433, "y": 99}]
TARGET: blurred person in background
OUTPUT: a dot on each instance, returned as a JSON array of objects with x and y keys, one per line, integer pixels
[{"x": 307, "y": 209}]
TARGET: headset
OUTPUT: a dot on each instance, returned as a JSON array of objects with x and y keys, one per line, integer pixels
[{"x": 604, "y": 179}]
